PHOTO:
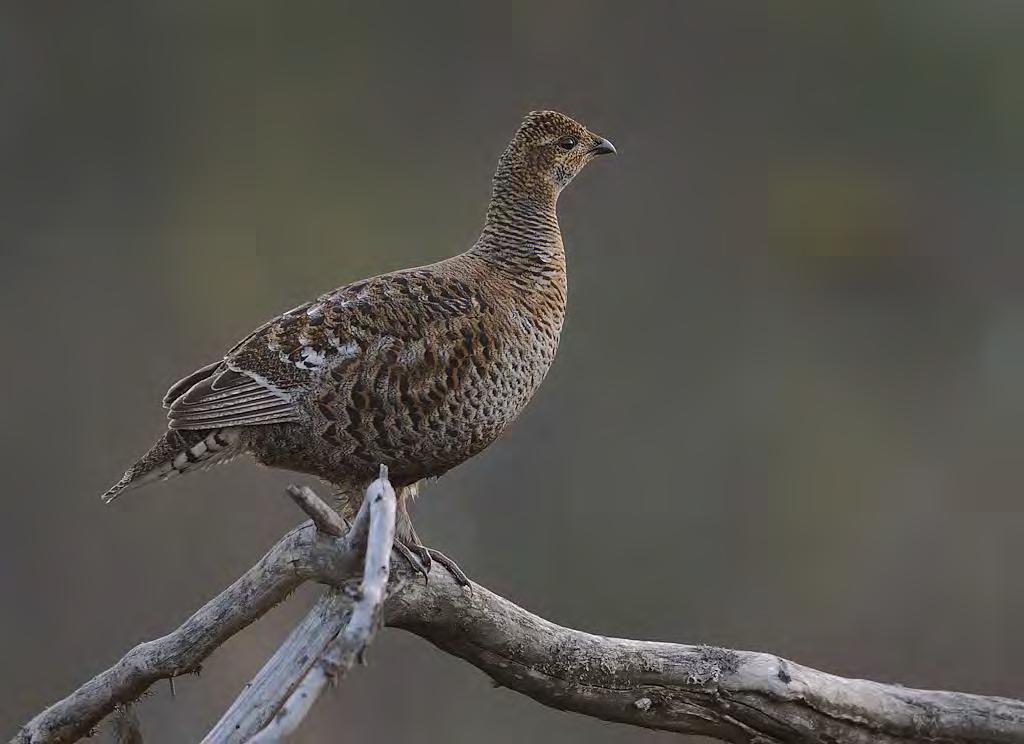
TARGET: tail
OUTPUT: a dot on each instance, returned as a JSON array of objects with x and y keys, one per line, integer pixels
[{"x": 177, "y": 452}]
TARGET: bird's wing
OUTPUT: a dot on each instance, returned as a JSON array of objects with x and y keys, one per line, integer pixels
[
  {"x": 181, "y": 387},
  {"x": 354, "y": 331},
  {"x": 227, "y": 393},
  {"x": 231, "y": 397}
]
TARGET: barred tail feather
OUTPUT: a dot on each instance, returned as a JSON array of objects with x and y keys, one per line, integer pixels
[{"x": 175, "y": 453}]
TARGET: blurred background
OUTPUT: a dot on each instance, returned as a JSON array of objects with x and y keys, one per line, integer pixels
[{"x": 786, "y": 414}]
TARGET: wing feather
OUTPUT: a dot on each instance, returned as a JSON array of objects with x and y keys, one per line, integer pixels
[
  {"x": 231, "y": 397},
  {"x": 276, "y": 372},
  {"x": 181, "y": 386}
]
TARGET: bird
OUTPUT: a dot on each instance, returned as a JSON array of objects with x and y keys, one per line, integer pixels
[{"x": 418, "y": 369}]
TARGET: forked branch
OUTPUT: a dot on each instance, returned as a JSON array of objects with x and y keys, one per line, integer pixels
[
  {"x": 351, "y": 643},
  {"x": 735, "y": 696}
]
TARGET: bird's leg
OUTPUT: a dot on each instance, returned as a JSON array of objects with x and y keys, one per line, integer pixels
[
  {"x": 450, "y": 566},
  {"x": 408, "y": 543},
  {"x": 348, "y": 504},
  {"x": 418, "y": 564}
]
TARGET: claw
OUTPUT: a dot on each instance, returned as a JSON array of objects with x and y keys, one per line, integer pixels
[
  {"x": 422, "y": 558},
  {"x": 418, "y": 565},
  {"x": 419, "y": 555},
  {"x": 423, "y": 553},
  {"x": 451, "y": 566}
]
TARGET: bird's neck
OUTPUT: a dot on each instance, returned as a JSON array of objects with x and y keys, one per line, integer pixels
[{"x": 521, "y": 232}]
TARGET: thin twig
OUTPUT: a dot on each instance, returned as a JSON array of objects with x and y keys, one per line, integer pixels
[{"x": 352, "y": 642}]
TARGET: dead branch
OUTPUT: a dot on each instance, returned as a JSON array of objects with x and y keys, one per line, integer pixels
[
  {"x": 352, "y": 642},
  {"x": 256, "y": 706},
  {"x": 302, "y": 555},
  {"x": 735, "y": 696},
  {"x": 324, "y": 517}
]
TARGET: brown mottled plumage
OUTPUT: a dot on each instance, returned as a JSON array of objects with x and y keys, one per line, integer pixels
[{"x": 418, "y": 369}]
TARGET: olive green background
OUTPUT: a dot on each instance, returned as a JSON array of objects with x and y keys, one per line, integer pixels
[{"x": 786, "y": 414}]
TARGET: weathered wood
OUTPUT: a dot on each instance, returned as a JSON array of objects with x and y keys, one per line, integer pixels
[
  {"x": 735, "y": 696},
  {"x": 352, "y": 642},
  {"x": 263, "y": 696},
  {"x": 324, "y": 517},
  {"x": 303, "y": 554}
]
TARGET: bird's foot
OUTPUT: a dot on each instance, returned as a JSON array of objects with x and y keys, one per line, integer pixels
[
  {"x": 415, "y": 561},
  {"x": 421, "y": 558},
  {"x": 449, "y": 565}
]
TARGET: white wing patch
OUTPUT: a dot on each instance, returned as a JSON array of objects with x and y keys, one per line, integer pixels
[
  {"x": 311, "y": 358},
  {"x": 348, "y": 350}
]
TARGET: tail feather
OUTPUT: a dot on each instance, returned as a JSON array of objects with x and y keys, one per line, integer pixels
[{"x": 178, "y": 452}]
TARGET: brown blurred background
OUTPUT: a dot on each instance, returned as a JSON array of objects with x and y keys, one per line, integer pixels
[{"x": 786, "y": 414}]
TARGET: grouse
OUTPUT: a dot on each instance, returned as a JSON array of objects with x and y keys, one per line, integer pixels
[{"x": 418, "y": 369}]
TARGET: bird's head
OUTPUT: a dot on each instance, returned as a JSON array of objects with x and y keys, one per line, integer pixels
[{"x": 548, "y": 150}]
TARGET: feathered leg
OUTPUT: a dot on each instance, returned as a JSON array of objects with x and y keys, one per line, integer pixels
[
  {"x": 407, "y": 545},
  {"x": 406, "y": 537}
]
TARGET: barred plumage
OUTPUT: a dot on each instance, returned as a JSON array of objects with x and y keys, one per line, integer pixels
[{"x": 418, "y": 369}]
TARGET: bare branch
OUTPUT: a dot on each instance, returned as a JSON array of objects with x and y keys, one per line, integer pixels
[
  {"x": 267, "y": 692},
  {"x": 352, "y": 642},
  {"x": 324, "y": 517},
  {"x": 735, "y": 696},
  {"x": 367, "y": 612},
  {"x": 303, "y": 554},
  {"x": 263, "y": 697}
]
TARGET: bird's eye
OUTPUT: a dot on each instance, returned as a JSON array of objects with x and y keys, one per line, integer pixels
[{"x": 567, "y": 143}]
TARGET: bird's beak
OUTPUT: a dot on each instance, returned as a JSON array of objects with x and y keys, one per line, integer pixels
[{"x": 602, "y": 147}]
